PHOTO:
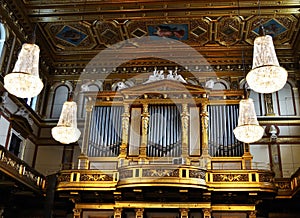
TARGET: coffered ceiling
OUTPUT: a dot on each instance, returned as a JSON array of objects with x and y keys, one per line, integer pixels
[{"x": 72, "y": 32}]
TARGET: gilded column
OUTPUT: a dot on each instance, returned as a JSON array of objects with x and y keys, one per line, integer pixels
[
  {"x": 185, "y": 128},
  {"x": 184, "y": 212},
  {"x": 139, "y": 213},
  {"x": 118, "y": 212},
  {"x": 269, "y": 104},
  {"x": 206, "y": 213},
  {"x": 205, "y": 157},
  {"x": 125, "y": 128},
  {"x": 247, "y": 158},
  {"x": 83, "y": 158},
  {"x": 145, "y": 122}
]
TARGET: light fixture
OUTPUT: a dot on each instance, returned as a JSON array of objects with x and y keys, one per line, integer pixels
[
  {"x": 24, "y": 81},
  {"x": 273, "y": 132},
  {"x": 248, "y": 129},
  {"x": 266, "y": 75},
  {"x": 66, "y": 130}
]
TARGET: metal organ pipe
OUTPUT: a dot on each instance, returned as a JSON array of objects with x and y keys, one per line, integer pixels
[
  {"x": 105, "y": 131},
  {"x": 222, "y": 121},
  {"x": 164, "y": 133}
]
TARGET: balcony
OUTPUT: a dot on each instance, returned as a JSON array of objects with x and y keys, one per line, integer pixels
[
  {"x": 162, "y": 175},
  {"x": 87, "y": 180},
  {"x": 17, "y": 173},
  {"x": 241, "y": 180},
  {"x": 169, "y": 176}
]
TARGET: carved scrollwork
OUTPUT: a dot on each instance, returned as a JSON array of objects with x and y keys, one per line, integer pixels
[
  {"x": 230, "y": 178},
  {"x": 126, "y": 174},
  {"x": 160, "y": 173},
  {"x": 283, "y": 185},
  {"x": 64, "y": 178},
  {"x": 18, "y": 167},
  {"x": 95, "y": 177},
  {"x": 12, "y": 163},
  {"x": 197, "y": 174},
  {"x": 265, "y": 178}
]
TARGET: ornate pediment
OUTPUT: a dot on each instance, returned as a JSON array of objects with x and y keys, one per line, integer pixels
[{"x": 164, "y": 87}]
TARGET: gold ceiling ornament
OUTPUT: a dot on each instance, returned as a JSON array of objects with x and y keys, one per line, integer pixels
[
  {"x": 266, "y": 75},
  {"x": 66, "y": 131},
  {"x": 24, "y": 81},
  {"x": 248, "y": 129}
]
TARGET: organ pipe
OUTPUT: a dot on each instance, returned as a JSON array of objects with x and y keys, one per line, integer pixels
[
  {"x": 105, "y": 132},
  {"x": 222, "y": 121},
  {"x": 164, "y": 132}
]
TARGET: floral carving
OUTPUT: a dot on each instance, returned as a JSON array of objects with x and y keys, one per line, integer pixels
[
  {"x": 95, "y": 177},
  {"x": 197, "y": 174},
  {"x": 283, "y": 185},
  {"x": 126, "y": 174},
  {"x": 64, "y": 178},
  {"x": 265, "y": 178},
  {"x": 230, "y": 178},
  {"x": 160, "y": 173}
]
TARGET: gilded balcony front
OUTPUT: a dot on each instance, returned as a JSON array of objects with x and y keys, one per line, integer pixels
[
  {"x": 18, "y": 171},
  {"x": 181, "y": 176},
  {"x": 162, "y": 175}
]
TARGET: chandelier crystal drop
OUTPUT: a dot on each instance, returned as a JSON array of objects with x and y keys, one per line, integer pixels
[
  {"x": 66, "y": 131},
  {"x": 266, "y": 75},
  {"x": 248, "y": 129},
  {"x": 24, "y": 81}
]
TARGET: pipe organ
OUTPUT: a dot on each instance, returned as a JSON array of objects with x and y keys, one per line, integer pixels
[
  {"x": 221, "y": 140},
  {"x": 163, "y": 147},
  {"x": 156, "y": 125},
  {"x": 164, "y": 135},
  {"x": 105, "y": 131}
]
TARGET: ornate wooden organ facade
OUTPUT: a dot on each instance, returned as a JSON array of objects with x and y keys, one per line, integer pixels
[
  {"x": 161, "y": 121},
  {"x": 163, "y": 144}
]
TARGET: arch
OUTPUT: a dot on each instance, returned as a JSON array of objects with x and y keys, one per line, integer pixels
[
  {"x": 90, "y": 86},
  {"x": 59, "y": 93},
  {"x": 217, "y": 84},
  {"x": 122, "y": 84},
  {"x": 66, "y": 83}
]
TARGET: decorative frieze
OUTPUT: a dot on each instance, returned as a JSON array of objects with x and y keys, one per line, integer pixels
[
  {"x": 96, "y": 177},
  {"x": 160, "y": 173},
  {"x": 197, "y": 174},
  {"x": 125, "y": 174},
  {"x": 230, "y": 178}
]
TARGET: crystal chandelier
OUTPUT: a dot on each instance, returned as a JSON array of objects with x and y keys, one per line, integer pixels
[
  {"x": 24, "y": 81},
  {"x": 248, "y": 129},
  {"x": 266, "y": 75},
  {"x": 66, "y": 130}
]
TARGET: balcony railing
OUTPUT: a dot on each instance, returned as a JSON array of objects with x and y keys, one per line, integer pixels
[
  {"x": 162, "y": 175},
  {"x": 247, "y": 180},
  {"x": 167, "y": 175},
  {"x": 295, "y": 183},
  {"x": 20, "y": 171},
  {"x": 87, "y": 180}
]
